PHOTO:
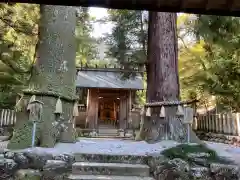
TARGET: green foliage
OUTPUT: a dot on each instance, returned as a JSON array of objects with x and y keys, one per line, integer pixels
[
  {"x": 18, "y": 39},
  {"x": 128, "y": 39},
  {"x": 86, "y": 45},
  {"x": 183, "y": 152},
  {"x": 128, "y": 42},
  {"x": 22, "y": 136},
  {"x": 18, "y": 36},
  {"x": 210, "y": 64}
]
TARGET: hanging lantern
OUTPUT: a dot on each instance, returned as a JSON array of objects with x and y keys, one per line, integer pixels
[
  {"x": 148, "y": 112},
  {"x": 162, "y": 112},
  {"x": 19, "y": 104},
  {"x": 180, "y": 111},
  {"x": 58, "y": 109},
  {"x": 75, "y": 110},
  {"x": 32, "y": 99}
]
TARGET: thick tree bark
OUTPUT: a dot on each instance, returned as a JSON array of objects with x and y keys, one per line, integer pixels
[
  {"x": 92, "y": 110},
  {"x": 162, "y": 76},
  {"x": 53, "y": 77}
]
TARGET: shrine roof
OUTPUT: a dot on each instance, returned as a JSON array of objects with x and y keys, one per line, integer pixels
[{"x": 111, "y": 79}]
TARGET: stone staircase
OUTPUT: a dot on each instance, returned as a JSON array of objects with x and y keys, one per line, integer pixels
[
  {"x": 109, "y": 131},
  {"x": 109, "y": 167}
]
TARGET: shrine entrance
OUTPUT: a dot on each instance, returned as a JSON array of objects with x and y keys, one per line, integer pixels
[
  {"x": 107, "y": 97},
  {"x": 109, "y": 107}
]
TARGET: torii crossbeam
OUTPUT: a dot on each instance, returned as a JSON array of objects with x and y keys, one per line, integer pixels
[{"x": 215, "y": 7}]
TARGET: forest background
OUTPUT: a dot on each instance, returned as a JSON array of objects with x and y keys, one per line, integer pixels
[{"x": 208, "y": 50}]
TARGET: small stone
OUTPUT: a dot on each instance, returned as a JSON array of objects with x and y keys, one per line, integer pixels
[
  {"x": 93, "y": 134},
  {"x": 54, "y": 164},
  {"x": 9, "y": 155},
  {"x": 9, "y": 164},
  {"x": 181, "y": 164},
  {"x": 228, "y": 172},
  {"x": 37, "y": 161},
  {"x": 55, "y": 169},
  {"x": 65, "y": 157},
  {"x": 216, "y": 167},
  {"x": 200, "y": 172},
  {"x": 21, "y": 160}
]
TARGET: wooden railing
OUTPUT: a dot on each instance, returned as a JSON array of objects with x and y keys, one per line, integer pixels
[
  {"x": 7, "y": 117},
  {"x": 225, "y": 123}
]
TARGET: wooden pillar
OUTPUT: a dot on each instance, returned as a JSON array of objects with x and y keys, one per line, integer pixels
[
  {"x": 234, "y": 124},
  {"x": 129, "y": 109},
  {"x": 237, "y": 119},
  {"x": 228, "y": 123},
  {"x": 217, "y": 123},
  {"x": 224, "y": 124},
  {"x": 220, "y": 123},
  {"x": 123, "y": 111},
  {"x": 92, "y": 109},
  {"x": 213, "y": 122}
]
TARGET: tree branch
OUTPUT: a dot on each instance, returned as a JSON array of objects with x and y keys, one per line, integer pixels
[
  {"x": 185, "y": 46},
  {"x": 16, "y": 28}
]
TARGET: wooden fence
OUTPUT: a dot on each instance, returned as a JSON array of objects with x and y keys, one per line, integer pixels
[
  {"x": 7, "y": 117},
  {"x": 227, "y": 123}
]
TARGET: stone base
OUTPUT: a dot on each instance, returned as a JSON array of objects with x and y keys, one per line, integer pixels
[{"x": 93, "y": 134}]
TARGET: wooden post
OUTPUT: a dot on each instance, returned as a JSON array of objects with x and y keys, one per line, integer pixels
[
  {"x": 123, "y": 111},
  {"x": 224, "y": 124},
  {"x": 212, "y": 123},
  {"x": 221, "y": 123},
  {"x": 97, "y": 107},
  {"x": 130, "y": 108},
  {"x": 205, "y": 123},
  {"x": 238, "y": 123},
  {"x": 234, "y": 124},
  {"x": 216, "y": 122},
  {"x": 208, "y": 123},
  {"x": 229, "y": 127},
  {"x": 92, "y": 110},
  {"x": 199, "y": 123}
]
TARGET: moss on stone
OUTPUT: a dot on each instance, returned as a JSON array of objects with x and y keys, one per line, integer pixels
[
  {"x": 27, "y": 174},
  {"x": 22, "y": 136},
  {"x": 183, "y": 152}
]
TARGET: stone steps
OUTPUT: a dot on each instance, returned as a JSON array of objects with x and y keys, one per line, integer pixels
[
  {"x": 101, "y": 177},
  {"x": 89, "y": 168},
  {"x": 109, "y": 167},
  {"x": 110, "y": 158},
  {"x": 107, "y": 132},
  {"x": 113, "y": 133}
]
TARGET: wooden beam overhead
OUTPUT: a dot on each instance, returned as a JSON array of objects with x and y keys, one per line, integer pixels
[{"x": 214, "y": 7}]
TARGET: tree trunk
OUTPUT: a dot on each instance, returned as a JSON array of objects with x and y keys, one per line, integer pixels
[
  {"x": 53, "y": 77},
  {"x": 162, "y": 76}
]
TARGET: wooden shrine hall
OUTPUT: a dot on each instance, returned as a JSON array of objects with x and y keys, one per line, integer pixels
[{"x": 105, "y": 97}]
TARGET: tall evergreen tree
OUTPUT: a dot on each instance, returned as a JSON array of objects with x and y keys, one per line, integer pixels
[
  {"x": 162, "y": 75},
  {"x": 53, "y": 77}
]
